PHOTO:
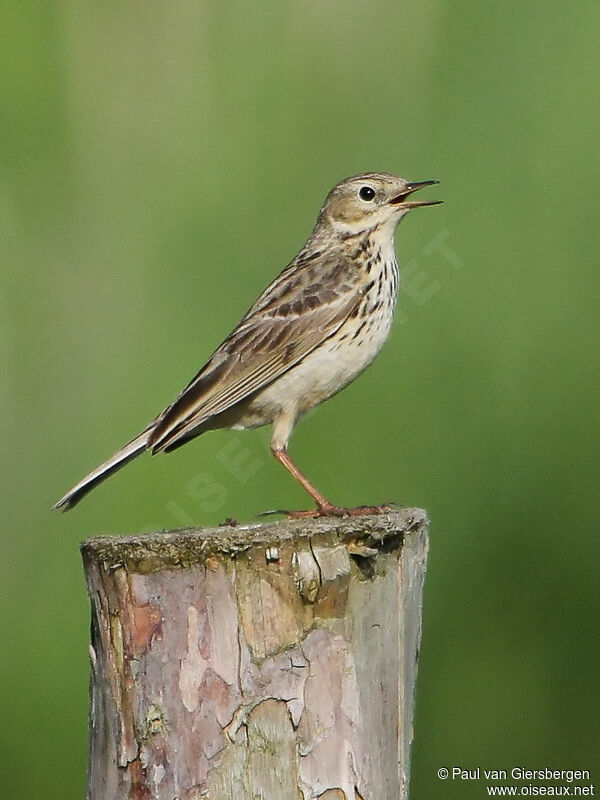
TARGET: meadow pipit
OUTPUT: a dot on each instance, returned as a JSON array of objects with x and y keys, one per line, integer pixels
[{"x": 317, "y": 326}]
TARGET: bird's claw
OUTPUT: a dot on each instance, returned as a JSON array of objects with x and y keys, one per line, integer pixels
[
  {"x": 330, "y": 511},
  {"x": 340, "y": 511},
  {"x": 272, "y": 512},
  {"x": 321, "y": 511}
]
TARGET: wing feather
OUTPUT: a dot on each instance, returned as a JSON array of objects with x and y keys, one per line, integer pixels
[{"x": 270, "y": 340}]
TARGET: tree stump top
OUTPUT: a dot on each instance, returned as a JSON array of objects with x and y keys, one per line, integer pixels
[{"x": 185, "y": 547}]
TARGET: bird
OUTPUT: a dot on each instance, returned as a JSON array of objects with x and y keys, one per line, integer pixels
[{"x": 315, "y": 328}]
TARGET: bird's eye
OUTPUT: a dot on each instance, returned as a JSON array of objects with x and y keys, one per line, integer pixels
[{"x": 366, "y": 193}]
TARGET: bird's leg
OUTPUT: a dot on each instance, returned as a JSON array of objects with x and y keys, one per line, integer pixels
[{"x": 324, "y": 507}]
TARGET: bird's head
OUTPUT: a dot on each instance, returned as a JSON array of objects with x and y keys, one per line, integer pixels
[{"x": 371, "y": 201}]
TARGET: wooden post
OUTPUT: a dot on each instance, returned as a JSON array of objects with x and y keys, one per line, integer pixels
[{"x": 269, "y": 661}]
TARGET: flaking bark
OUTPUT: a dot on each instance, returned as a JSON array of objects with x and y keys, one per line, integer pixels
[{"x": 272, "y": 661}]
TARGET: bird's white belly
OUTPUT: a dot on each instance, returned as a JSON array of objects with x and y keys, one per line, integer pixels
[{"x": 326, "y": 370}]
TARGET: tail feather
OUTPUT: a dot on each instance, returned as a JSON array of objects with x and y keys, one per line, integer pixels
[{"x": 105, "y": 470}]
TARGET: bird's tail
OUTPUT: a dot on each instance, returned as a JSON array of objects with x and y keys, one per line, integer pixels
[{"x": 96, "y": 476}]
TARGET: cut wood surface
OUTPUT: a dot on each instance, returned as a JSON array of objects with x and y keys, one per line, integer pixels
[{"x": 261, "y": 662}]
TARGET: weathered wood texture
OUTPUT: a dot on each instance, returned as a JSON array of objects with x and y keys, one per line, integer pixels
[{"x": 274, "y": 661}]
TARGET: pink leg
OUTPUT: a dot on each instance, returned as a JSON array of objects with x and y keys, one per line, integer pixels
[{"x": 324, "y": 507}]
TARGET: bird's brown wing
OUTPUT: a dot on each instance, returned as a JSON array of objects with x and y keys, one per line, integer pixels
[{"x": 282, "y": 331}]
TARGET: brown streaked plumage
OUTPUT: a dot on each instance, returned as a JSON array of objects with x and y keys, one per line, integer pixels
[{"x": 316, "y": 327}]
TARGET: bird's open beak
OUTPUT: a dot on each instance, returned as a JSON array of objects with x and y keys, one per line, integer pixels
[{"x": 413, "y": 186}]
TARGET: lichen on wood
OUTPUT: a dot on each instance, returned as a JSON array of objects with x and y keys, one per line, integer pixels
[{"x": 274, "y": 661}]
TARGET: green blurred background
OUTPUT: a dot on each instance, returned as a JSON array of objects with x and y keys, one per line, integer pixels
[{"x": 160, "y": 163}]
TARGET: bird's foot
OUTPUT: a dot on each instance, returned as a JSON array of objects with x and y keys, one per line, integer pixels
[{"x": 329, "y": 510}]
